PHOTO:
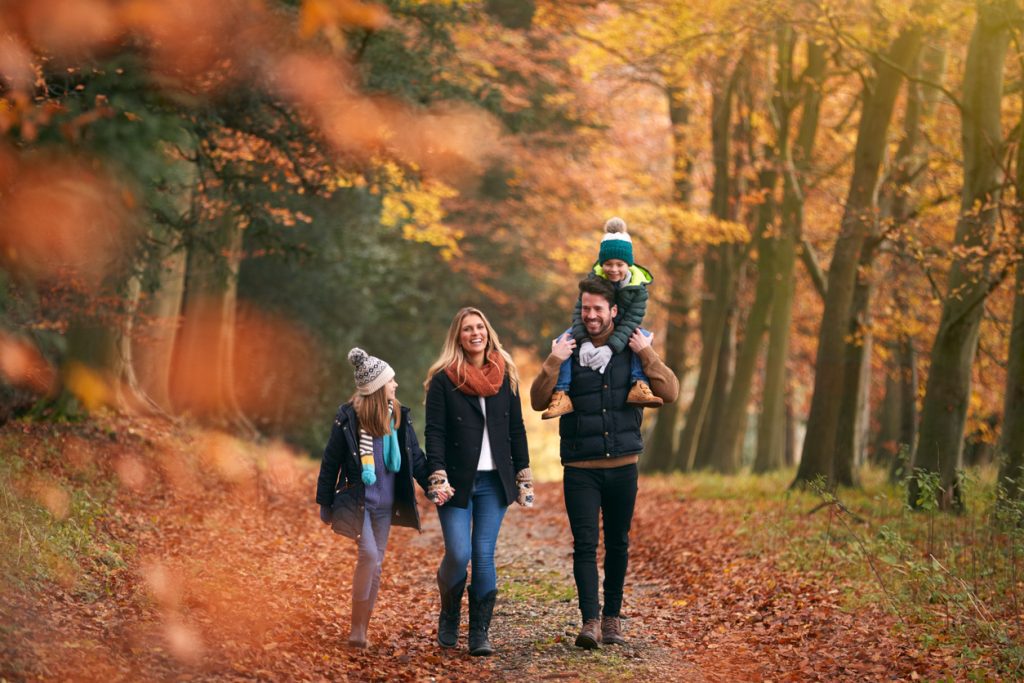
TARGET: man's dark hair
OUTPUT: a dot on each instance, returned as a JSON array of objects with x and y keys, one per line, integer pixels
[{"x": 592, "y": 284}]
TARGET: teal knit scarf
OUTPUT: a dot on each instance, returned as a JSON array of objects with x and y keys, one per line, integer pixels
[{"x": 392, "y": 453}]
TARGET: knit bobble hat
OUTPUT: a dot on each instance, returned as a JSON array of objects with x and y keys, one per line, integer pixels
[
  {"x": 371, "y": 372},
  {"x": 616, "y": 242}
]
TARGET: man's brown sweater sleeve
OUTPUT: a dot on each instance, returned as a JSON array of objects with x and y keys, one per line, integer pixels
[
  {"x": 544, "y": 383},
  {"x": 664, "y": 384}
]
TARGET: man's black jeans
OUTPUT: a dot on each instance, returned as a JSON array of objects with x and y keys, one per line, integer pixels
[{"x": 590, "y": 493}]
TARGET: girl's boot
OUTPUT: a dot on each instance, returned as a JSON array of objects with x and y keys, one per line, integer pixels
[{"x": 361, "y": 610}]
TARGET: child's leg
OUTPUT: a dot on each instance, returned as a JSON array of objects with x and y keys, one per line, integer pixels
[
  {"x": 564, "y": 375},
  {"x": 636, "y": 369},
  {"x": 564, "y": 370}
]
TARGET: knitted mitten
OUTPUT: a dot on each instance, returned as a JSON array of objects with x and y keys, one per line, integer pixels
[
  {"x": 524, "y": 481},
  {"x": 369, "y": 476},
  {"x": 438, "y": 487}
]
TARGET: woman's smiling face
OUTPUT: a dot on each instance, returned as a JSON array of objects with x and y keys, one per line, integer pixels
[{"x": 473, "y": 335}]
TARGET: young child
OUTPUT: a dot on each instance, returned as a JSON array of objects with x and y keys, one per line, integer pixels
[
  {"x": 614, "y": 263},
  {"x": 372, "y": 448}
]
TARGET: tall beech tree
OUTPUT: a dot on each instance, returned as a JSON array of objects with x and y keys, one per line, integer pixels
[
  {"x": 858, "y": 224},
  {"x": 972, "y": 275}
]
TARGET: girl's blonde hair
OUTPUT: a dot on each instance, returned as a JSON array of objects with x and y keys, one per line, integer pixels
[
  {"x": 372, "y": 412},
  {"x": 453, "y": 353}
]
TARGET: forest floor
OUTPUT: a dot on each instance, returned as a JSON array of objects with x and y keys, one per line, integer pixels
[{"x": 141, "y": 551}]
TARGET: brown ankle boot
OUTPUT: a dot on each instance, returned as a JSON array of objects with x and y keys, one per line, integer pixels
[
  {"x": 560, "y": 405},
  {"x": 590, "y": 635},
  {"x": 641, "y": 395},
  {"x": 611, "y": 631}
]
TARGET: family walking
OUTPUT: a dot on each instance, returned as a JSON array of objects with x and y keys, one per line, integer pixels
[{"x": 597, "y": 378}]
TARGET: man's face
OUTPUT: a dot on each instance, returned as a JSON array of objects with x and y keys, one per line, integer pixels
[{"x": 597, "y": 316}]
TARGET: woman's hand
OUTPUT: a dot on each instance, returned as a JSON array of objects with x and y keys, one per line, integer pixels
[
  {"x": 524, "y": 482},
  {"x": 439, "y": 491}
]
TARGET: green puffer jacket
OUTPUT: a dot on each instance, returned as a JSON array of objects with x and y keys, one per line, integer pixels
[{"x": 632, "y": 302}]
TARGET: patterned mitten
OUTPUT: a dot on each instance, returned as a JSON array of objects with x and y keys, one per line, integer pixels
[
  {"x": 438, "y": 487},
  {"x": 524, "y": 481},
  {"x": 369, "y": 476}
]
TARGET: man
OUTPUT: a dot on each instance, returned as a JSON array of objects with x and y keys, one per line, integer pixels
[{"x": 600, "y": 447}]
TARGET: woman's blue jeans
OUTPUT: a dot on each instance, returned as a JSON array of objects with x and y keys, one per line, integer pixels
[
  {"x": 373, "y": 541},
  {"x": 471, "y": 534}
]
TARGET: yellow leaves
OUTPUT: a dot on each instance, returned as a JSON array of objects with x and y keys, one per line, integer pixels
[
  {"x": 689, "y": 226},
  {"x": 330, "y": 15},
  {"x": 88, "y": 386},
  {"x": 417, "y": 209}
]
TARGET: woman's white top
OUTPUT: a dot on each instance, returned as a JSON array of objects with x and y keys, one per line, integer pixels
[{"x": 486, "y": 461}]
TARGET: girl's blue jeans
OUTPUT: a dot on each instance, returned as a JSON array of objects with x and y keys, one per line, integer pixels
[
  {"x": 636, "y": 370},
  {"x": 471, "y": 534},
  {"x": 372, "y": 543}
]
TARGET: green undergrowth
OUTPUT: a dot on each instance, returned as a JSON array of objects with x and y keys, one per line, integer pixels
[
  {"x": 951, "y": 580},
  {"x": 50, "y": 522}
]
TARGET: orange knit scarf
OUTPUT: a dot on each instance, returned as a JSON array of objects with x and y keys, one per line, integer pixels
[{"x": 474, "y": 381}]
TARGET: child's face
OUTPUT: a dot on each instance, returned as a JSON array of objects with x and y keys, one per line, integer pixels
[
  {"x": 390, "y": 388},
  {"x": 615, "y": 269}
]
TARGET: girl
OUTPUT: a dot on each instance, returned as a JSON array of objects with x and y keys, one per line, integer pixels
[
  {"x": 476, "y": 439},
  {"x": 366, "y": 478}
]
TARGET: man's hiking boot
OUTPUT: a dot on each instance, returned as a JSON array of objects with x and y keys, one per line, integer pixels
[
  {"x": 560, "y": 405},
  {"x": 590, "y": 635},
  {"x": 611, "y": 631},
  {"x": 641, "y": 395}
]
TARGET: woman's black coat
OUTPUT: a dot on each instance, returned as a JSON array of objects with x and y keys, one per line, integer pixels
[
  {"x": 454, "y": 434},
  {"x": 340, "y": 466}
]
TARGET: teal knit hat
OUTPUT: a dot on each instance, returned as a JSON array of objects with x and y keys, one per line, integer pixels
[{"x": 616, "y": 242}]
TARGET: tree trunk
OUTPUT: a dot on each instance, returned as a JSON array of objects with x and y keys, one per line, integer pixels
[
  {"x": 719, "y": 278},
  {"x": 1011, "y": 443},
  {"x": 947, "y": 392},
  {"x": 706, "y": 456},
  {"x": 851, "y": 426},
  {"x": 858, "y": 222},
  {"x": 154, "y": 351},
  {"x": 772, "y": 437},
  {"x": 203, "y": 380},
  {"x": 682, "y": 267}
]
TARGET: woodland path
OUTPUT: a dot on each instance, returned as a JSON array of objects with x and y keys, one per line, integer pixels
[{"x": 232, "y": 578}]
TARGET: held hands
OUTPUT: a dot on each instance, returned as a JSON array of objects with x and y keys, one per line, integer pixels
[
  {"x": 524, "y": 482},
  {"x": 638, "y": 341},
  {"x": 562, "y": 347},
  {"x": 439, "y": 491}
]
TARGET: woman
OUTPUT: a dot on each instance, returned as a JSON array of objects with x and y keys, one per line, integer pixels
[
  {"x": 476, "y": 441},
  {"x": 366, "y": 478}
]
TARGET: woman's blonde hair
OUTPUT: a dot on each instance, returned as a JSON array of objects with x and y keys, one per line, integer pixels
[
  {"x": 372, "y": 412},
  {"x": 453, "y": 353}
]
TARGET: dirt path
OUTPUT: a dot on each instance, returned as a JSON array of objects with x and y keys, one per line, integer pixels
[{"x": 217, "y": 572}]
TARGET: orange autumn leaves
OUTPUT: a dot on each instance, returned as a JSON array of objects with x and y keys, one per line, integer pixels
[{"x": 200, "y": 47}]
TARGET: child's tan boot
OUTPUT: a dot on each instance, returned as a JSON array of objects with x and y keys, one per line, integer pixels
[
  {"x": 641, "y": 395},
  {"x": 560, "y": 405}
]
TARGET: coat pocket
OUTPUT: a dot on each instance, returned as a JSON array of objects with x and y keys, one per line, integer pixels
[{"x": 347, "y": 512}]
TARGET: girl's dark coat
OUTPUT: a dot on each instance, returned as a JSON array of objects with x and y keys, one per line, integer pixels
[
  {"x": 454, "y": 434},
  {"x": 340, "y": 466}
]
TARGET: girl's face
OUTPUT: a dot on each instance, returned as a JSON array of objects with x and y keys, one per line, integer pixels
[
  {"x": 615, "y": 269},
  {"x": 390, "y": 388},
  {"x": 473, "y": 335}
]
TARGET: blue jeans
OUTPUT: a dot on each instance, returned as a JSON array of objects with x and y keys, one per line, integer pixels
[
  {"x": 372, "y": 543},
  {"x": 636, "y": 369},
  {"x": 471, "y": 533}
]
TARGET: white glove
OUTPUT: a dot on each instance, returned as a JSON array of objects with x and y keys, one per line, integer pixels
[{"x": 595, "y": 358}]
